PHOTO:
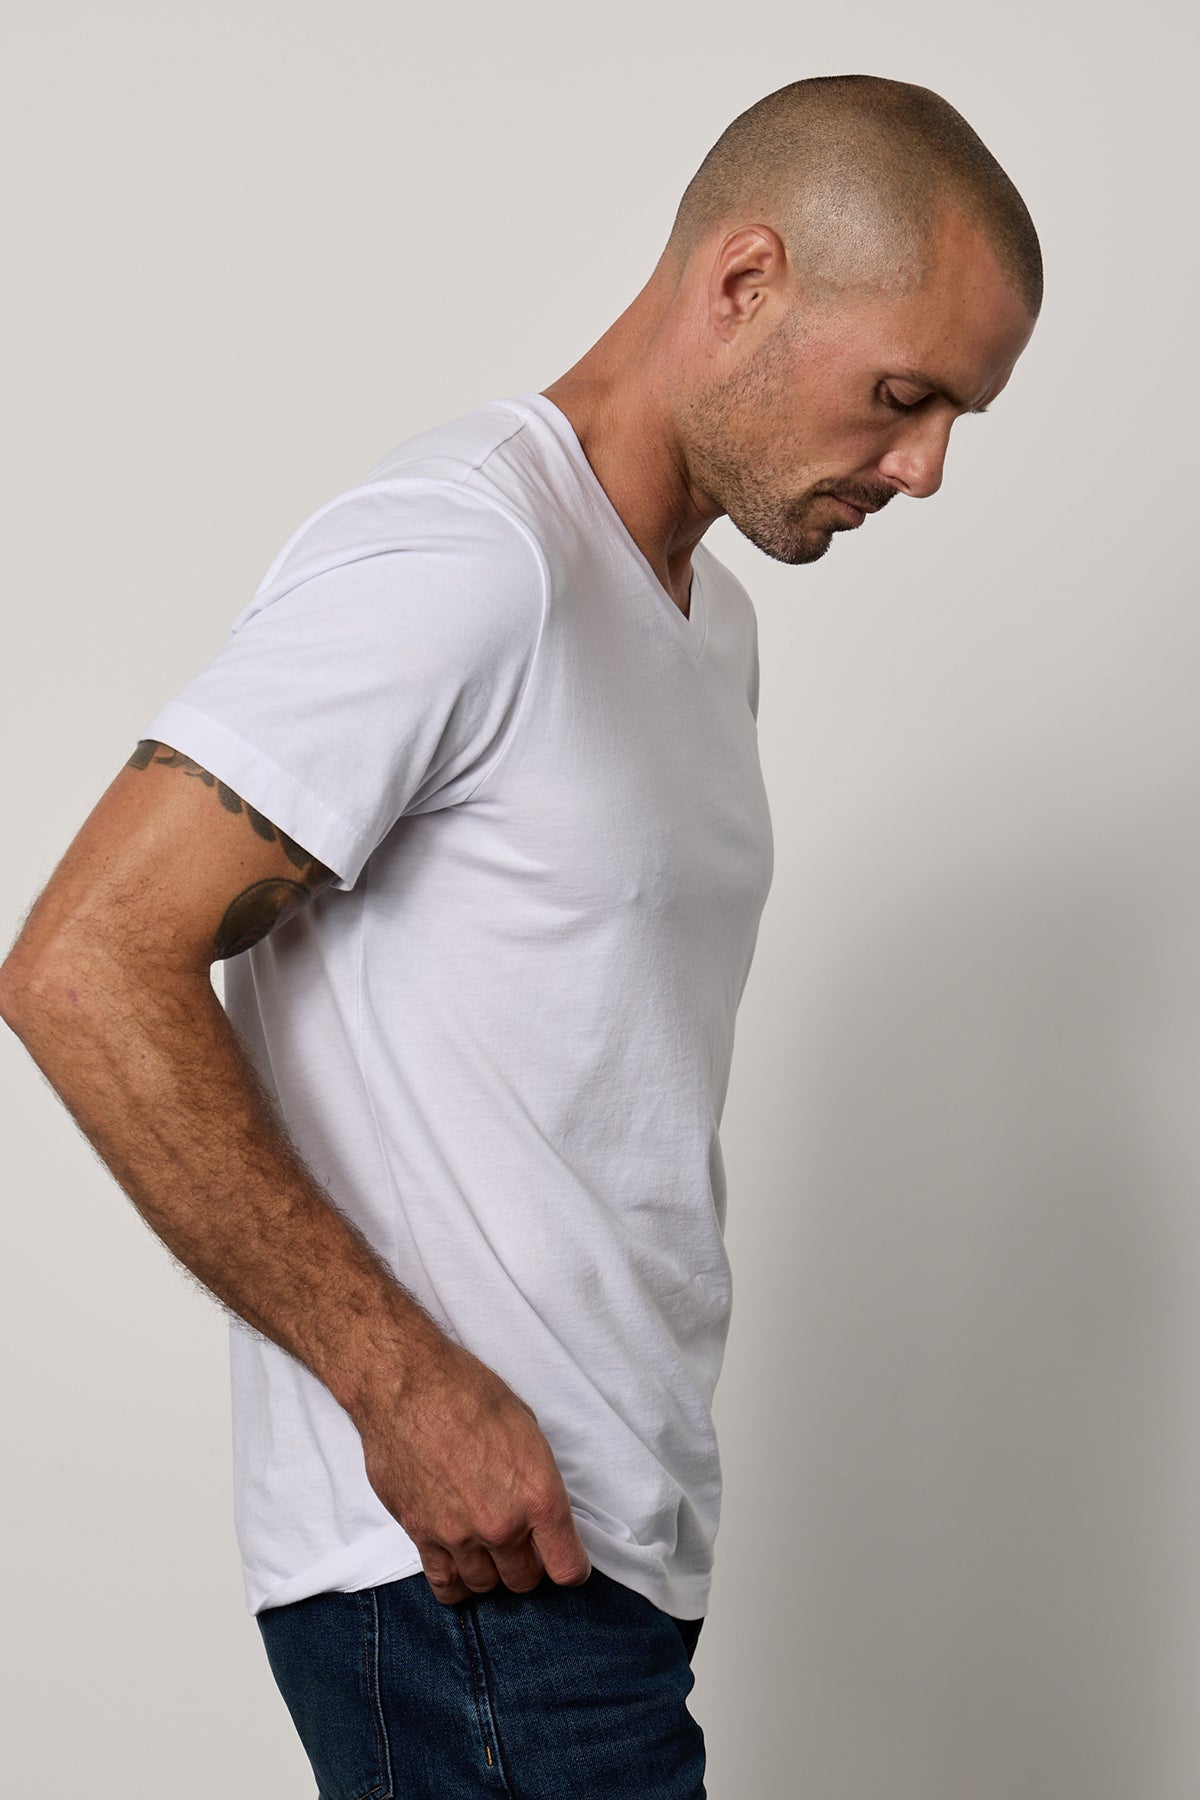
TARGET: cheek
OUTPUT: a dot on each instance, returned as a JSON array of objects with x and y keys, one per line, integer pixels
[
  {"x": 826, "y": 436},
  {"x": 862, "y": 450}
]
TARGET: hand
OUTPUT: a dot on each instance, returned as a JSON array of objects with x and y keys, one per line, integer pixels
[{"x": 460, "y": 1461}]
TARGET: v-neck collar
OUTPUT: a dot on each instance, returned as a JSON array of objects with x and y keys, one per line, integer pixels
[{"x": 692, "y": 626}]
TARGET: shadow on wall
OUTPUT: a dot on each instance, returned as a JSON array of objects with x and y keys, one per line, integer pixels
[{"x": 965, "y": 1425}]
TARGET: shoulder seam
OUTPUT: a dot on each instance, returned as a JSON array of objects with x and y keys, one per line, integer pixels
[
  {"x": 468, "y": 468},
  {"x": 498, "y": 445}
]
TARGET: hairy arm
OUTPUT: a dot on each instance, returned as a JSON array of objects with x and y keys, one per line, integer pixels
[{"x": 109, "y": 988}]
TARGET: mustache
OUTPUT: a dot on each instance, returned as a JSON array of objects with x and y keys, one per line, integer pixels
[{"x": 859, "y": 494}]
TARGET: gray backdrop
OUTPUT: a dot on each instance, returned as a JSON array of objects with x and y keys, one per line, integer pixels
[{"x": 250, "y": 246}]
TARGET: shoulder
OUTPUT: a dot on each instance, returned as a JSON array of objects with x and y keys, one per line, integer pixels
[
  {"x": 405, "y": 549},
  {"x": 429, "y": 494}
]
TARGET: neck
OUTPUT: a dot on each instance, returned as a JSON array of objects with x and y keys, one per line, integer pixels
[{"x": 618, "y": 401}]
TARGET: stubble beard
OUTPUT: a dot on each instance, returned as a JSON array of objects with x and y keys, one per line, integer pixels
[
  {"x": 731, "y": 471},
  {"x": 781, "y": 535},
  {"x": 780, "y": 528}
]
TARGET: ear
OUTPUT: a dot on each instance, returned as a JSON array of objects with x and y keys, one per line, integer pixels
[{"x": 749, "y": 270}]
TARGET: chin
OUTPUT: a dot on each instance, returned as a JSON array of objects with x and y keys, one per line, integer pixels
[{"x": 797, "y": 546}]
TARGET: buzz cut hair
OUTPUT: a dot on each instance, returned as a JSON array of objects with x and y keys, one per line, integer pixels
[{"x": 854, "y": 172}]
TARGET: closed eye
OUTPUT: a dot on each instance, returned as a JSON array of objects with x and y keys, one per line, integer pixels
[{"x": 903, "y": 406}]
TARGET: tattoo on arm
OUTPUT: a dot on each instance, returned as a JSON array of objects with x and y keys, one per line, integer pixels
[{"x": 262, "y": 906}]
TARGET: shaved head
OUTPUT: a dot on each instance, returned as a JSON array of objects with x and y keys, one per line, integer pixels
[
  {"x": 854, "y": 173},
  {"x": 849, "y": 272}
]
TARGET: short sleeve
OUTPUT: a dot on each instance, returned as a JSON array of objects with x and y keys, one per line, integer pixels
[{"x": 379, "y": 670}]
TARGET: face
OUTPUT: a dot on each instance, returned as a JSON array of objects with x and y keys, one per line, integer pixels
[{"x": 850, "y": 400}]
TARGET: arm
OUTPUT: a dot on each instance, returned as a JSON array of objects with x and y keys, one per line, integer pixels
[{"x": 108, "y": 987}]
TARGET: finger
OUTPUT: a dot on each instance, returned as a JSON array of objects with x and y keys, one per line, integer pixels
[
  {"x": 442, "y": 1574},
  {"x": 477, "y": 1569},
  {"x": 561, "y": 1549},
  {"x": 520, "y": 1566}
]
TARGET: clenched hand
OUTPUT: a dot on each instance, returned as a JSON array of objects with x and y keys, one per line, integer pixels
[{"x": 460, "y": 1461}]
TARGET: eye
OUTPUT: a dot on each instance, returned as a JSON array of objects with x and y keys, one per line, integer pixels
[{"x": 903, "y": 406}]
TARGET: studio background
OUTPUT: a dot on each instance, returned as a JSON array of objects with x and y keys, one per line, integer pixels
[{"x": 249, "y": 247}]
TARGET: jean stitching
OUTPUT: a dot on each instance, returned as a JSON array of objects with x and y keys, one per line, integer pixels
[
  {"x": 367, "y": 1598},
  {"x": 481, "y": 1689}
]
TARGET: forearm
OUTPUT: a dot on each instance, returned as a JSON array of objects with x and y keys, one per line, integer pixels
[
  {"x": 158, "y": 1082},
  {"x": 108, "y": 987}
]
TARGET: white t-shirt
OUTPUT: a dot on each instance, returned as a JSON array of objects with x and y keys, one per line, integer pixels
[{"x": 502, "y": 1039}]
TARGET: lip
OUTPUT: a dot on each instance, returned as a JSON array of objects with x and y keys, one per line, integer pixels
[{"x": 855, "y": 513}]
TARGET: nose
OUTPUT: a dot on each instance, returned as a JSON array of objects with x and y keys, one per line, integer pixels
[{"x": 915, "y": 460}]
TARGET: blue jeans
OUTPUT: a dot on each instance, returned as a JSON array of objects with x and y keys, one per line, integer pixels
[{"x": 565, "y": 1693}]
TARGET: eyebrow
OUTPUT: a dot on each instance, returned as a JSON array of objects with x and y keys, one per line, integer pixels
[{"x": 936, "y": 387}]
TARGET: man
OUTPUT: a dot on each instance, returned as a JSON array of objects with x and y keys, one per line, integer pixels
[{"x": 469, "y": 803}]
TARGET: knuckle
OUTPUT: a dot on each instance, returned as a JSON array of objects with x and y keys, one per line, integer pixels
[
  {"x": 544, "y": 1488},
  {"x": 498, "y": 1529},
  {"x": 547, "y": 1502}
]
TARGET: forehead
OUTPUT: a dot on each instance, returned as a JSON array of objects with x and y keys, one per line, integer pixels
[{"x": 962, "y": 325}]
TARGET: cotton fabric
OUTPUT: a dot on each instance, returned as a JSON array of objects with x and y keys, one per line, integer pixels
[{"x": 502, "y": 1040}]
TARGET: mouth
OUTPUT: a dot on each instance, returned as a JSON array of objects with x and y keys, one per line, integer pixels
[{"x": 854, "y": 513}]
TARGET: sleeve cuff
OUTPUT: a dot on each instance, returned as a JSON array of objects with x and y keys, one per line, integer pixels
[{"x": 242, "y": 766}]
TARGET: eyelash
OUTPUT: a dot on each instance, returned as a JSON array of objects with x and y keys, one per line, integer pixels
[{"x": 901, "y": 406}]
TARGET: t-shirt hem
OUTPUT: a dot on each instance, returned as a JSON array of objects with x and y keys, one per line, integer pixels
[{"x": 679, "y": 1596}]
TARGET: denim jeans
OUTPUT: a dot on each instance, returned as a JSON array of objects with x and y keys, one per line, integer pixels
[{"x": 565, "y": 1693}]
